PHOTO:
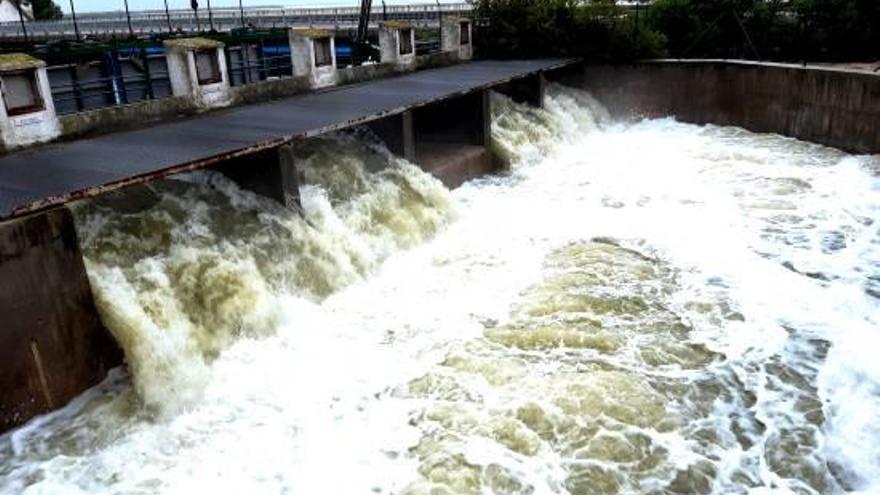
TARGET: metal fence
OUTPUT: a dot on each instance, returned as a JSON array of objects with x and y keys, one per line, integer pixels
[
  {"x": 144, "y": 23},
  {"x": 427, "y": 47},
  {"x": 121, "y": 76},
  {"x": 249, "y": 63},
  {"x": 116, "y": 79}
]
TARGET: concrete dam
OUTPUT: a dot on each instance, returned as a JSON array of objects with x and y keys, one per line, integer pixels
[{"x": 513, "y": 277}]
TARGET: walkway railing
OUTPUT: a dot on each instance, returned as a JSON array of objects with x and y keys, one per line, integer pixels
[
  {"x": 126, "y": 75},
  {"x": 252, "y": 63},
  {"x": 116, "y": 24},
  {"x": 113, "y": 80}
]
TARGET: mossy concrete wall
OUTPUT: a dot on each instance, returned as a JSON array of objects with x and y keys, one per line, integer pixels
[
  {"x": 834, "y": 107},
  {"x": 122, "y": 117},
  {"x": 438, "y": 59}
]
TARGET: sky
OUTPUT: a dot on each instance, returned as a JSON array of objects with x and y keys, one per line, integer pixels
[{"x": 107, "y": 5}]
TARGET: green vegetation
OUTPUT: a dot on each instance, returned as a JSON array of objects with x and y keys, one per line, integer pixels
[
  {"x": 596, "y": 29},
  {"x": 815, "y": 30},
  {"x": 46, "y": 9},
  {"x": 785, "y": 30}
]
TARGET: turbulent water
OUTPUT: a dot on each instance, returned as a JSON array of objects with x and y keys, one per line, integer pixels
[{"x": 640, "y": 308}]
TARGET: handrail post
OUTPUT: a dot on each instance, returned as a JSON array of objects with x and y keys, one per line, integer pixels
[
  {"x": 147, "y": 78},
  {"x": 77, "y": 92}
]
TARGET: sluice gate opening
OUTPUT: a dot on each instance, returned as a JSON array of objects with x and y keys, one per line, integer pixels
[{"x": 447, "y": 137}]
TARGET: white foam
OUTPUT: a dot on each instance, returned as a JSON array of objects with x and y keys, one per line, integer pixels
[{"x": 322, "y": 405}]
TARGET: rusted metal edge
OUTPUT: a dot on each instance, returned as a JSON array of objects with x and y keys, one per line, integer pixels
[
  {"x": 54, "y": 201},
  {"x": 756, "y": 63}
]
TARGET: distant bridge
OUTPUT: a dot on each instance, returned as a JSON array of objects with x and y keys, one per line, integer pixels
[{"x": 105, "y": 25}]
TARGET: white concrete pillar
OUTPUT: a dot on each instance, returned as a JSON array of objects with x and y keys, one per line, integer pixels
[
  {"x": 27, "y": 114},
  {"x": 197, "y": 69},
  {"x": 313, "y": 55},
  {"x": 397, "y": 43},
  {"x": 458, "y": 37}
]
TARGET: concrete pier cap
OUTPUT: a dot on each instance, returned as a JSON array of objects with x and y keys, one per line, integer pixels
[
  {"x": 27, "y": 115},
  {"x": 197, "y": 70},
  {"x": 313, "y": 55},
  {"x": 397, "y": 43},
  {"x": 457, "y": 36}
]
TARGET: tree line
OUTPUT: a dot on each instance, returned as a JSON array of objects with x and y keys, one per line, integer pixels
[
  {"x": 42, "y": 9},
  {"x": 781, "y": 30}
]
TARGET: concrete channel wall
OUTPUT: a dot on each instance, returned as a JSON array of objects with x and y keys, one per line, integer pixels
[
  {"x": 834, "y": 107},
  {"x": 52, "y": 343}
]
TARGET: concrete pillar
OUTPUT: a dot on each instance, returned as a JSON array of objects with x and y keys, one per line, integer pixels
[
  {"x": 486, "y": 118},
  {"x": 397, "y": 44},
  {"x": 457, "y": 37},
  {"x": 452, "y": 137},
  {"x": 53, "y": 346},
  {"x": 528, "y": 89},
  {"x": 542, "y": 88},
  {"x": 271, "y": 173},
  {"x": 313, "y": 55},
  {"x": 409, "y": 136},
  {"x": 197, "y": 69},
  {"x": 397, "y": 132},
  {"x": 27, "y": 115}
]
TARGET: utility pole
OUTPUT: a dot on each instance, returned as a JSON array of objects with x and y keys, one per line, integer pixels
[
  {"x": 440, "y": 23},
  {"x": 75, "y": 25},
  {"x": 128, "y": 20},
  {"x": 168, "y": 17},
  {"x": 195, "y": 6},
  {"x": 210, "y": 16},
  {"x": 21, "y": 20},
  {"x": 638, "y": 4}
]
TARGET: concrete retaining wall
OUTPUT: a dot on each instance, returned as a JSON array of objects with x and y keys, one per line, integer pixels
[
  {"x": 121, "y": 117},
  {"x": 270, "y": 89},
  {"x": 362, "y": 73},
  {"x": 439, "y": 59},
  {"x": 839, "y": 108},
  {"x": 53, "y": 345}
]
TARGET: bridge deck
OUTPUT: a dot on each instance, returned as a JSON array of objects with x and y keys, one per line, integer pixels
[{"x": 57, "y": 173}]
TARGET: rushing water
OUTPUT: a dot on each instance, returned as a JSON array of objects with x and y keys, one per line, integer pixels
[{"x": 652, "y": 308}]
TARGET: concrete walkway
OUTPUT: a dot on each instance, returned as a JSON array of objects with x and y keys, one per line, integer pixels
[{"x": 54, "y": 174}]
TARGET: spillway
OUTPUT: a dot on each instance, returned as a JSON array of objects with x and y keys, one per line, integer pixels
[{"x": 650, "y": 307}]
